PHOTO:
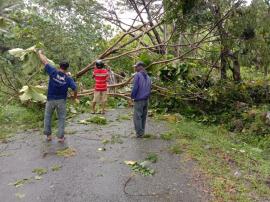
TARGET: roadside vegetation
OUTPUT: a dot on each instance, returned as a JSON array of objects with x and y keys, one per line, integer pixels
[
  {"x": 14, "y": 117},
  {"x": 236, "y": 171}
]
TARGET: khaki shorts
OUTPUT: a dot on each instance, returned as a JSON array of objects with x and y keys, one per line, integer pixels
[{"x": 100, "y": 96}]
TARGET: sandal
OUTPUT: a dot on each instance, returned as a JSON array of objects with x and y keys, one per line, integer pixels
[
  {"x": 49, "y": 138},
  {"x": 61, "y": 140}
]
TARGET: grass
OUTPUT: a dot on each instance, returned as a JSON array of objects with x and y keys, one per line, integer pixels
[
  {"x": 167, "y": 136},
  {"x": 16, "y": 117},
  {"x": 236, "y": 171}
]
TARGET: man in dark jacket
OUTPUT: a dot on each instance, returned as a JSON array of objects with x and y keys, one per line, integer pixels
[{"x": 140, "y": 94}]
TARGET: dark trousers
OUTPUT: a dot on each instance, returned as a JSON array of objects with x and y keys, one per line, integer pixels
[{"x": 140, "y": 115}]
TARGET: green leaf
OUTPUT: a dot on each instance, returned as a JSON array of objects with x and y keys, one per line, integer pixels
[
  {"x": 32, "y": 93},
  {"x": 100, "y": 120},
  {"x": 56, "y": 168},
  {"x": 30, "y": 59},
  {"x": 141, "y": 168},
  {"x": 20, "y": 182},
  {"x": 40, "y": 171}
]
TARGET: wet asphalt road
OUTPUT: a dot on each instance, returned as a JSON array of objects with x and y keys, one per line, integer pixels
[{"x": 92, "y": 175}]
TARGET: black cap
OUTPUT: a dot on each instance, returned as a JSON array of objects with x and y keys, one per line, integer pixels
[
  {"x": 100, "y": 64},
  {"x": 140, "y": 63}
]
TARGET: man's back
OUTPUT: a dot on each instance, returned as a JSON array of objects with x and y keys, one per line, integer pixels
[
  {"x": 142, "y": 86},
  {"x": 101, "y": 77},
  {"x": 58, "y": 84}
]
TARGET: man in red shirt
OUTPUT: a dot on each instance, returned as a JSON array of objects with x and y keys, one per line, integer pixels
[{"x": 101, "y": 77}]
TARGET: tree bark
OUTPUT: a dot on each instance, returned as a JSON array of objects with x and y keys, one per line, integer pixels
[
  {"x": 223, "y": 66},
  {"x": 236, "y": 69},
  {"x": 265, "y": 70}
]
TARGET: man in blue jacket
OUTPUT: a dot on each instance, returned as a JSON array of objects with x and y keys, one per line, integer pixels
[
  {"x": 59, "y": 83},
  {"x": 140, "y": 94}
]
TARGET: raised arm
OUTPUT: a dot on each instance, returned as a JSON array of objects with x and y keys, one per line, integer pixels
[{"x": 42, "y": 57}]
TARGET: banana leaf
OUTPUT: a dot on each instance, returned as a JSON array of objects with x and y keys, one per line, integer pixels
[
  {"x": 33, "y": 94},
  {"x": 30, "y": 59}
]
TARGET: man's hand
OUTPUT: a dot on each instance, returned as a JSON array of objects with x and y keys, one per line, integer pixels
[
  {"x": 42, "y": 57},
  {"x": 75, "y": 97}
]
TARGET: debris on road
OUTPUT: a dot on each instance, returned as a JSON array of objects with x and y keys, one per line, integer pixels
[
  {"x": 67, "y": 152},
  {"x": 40, "y": 171},
  {"x": 56, "y": 168},
  {"x": 141, "y": 168},
  {"x": 20, "y": 182},
  {"x": 99, "y": 120}
]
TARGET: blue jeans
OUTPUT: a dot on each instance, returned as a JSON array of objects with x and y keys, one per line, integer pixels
[
  {"x": 140, "y": 115},
  {"x": 60, "y": 106}
]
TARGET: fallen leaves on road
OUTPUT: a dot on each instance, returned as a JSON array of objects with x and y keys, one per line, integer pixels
[
  {"x": 56, "y": 168},
  {"x": 105, "y": 141},
  {"x": 100, "y": 120},
  {"x": 130, "y": 162},
  {"x": 20, "y": 182},
  {"x": 38, "y": 177},
  {"x": 67, "y": 152},
  {"x": 141, "y": 168},
  {"x": 40, "y": 171}
]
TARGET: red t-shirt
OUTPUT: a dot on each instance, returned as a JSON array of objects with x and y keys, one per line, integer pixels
[{"x": 101, "y": 76}]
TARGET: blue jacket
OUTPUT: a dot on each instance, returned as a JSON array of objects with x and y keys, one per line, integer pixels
[{"x": 141, "y": 86}]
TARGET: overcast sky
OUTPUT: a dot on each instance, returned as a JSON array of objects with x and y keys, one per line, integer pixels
[{"x": 127, "y": 16}]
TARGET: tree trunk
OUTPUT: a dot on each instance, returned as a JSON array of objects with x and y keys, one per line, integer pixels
[
  {"x": 223, "y": 61},
  {"x": 236, "y": 70},
  {"x": 223, "y": 42},
  {"x": 236, "y": 65},
  {"x": 265, "y": 70}
]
